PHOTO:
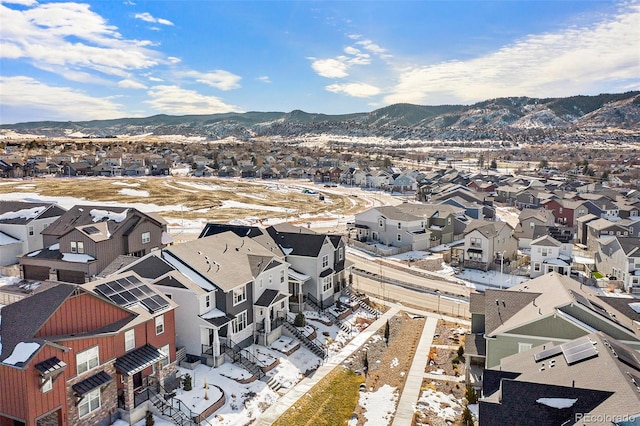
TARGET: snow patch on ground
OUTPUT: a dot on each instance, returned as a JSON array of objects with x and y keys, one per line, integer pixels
[
  {"x": 443, "y": 405},
  {"x": 134, "y": 192},
  {"x": 379, "y": 405}
]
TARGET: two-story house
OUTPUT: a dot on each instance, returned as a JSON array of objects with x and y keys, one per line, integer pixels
[
  {"x": 85, "y": 356},
  {"x": 20, "y": 227},
  {"x": 528, "y": 219},
  {"x": 550, "y": 308},
  {"x": 393, "y": 226},
  {"x": 618, "y": 258},
  {"x": 550, "y": 255},
  {"x": 245, "y": 292},
  {"x": 600, "y": 228},
  {"x": 489, "y": 245},
  {"x": 85, "y": 239}
]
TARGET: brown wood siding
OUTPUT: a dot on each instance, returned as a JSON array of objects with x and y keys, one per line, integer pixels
[
  {"x": 75, "y": 235},
  {"x": 135, "y": 237},
  {"x": 20, "y": 394},
  {"x": 80, "y": 314},
  {"x": 168, "y": 337},
  {"x": 108, "y": 250}
]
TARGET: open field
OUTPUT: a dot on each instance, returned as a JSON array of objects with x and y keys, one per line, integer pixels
[{"x": 194, "y": 198}]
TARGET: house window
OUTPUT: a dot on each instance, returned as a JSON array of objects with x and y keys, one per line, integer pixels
[
  {"x": 240, "y": 322},
  {"x": 532, "y": 225},
  {"x": 160, "y": 324},
  {"x": 31, "y": 231},
  {"x": 340, "y": 253},
  {"x": 399, "y": 225},
  {"x": 146, "y": 237},
  {"x": 239, "y": 295},
  {"x": 523, "y": 347},
  {"x": 90, "y": 403},
  {"x": 545, "y": 252},
  {"x": 399, "y": 237},
  {"x": 207, "y": 300},
  {"x": 476, "y": 242},
  {"x": 86, "y": 360},
  {"x": 129, "y": 340},
  {"x": 281, "y": 276},
  {"x": 325, "y": 261},
  {"x": 536, "y": 266},
  {"x": 47, "y": 385},
  {"x": 270, "y": 279},
  {"x": 77, "y": 247},
  {"x": 326, "y": 284},
  {"x": 448, "y": 221},
  {"x": 380, "y": 223},
  {"x": 165, "y": 350},
  {"x": 475, "y": 256}
]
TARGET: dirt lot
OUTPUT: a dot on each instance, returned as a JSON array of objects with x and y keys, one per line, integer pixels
[
  {"x": 388, "y": 364},
  {"x": 197, "y": 198}
]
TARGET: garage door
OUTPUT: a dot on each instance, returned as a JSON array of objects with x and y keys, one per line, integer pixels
[
  {"x": 76, "y": 277},
  {"x": 32, "y": 272}
]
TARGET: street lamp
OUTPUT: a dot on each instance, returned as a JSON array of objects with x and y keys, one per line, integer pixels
[
  {"x": 501, "y": 266},
  {"x": 438, "y": 293}
]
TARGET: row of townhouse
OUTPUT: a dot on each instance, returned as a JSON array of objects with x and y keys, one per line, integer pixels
[
  {"x": 481, "y": 243},
  {"x": 208, "y": 298},
  {"x": 554, "y": 352}
]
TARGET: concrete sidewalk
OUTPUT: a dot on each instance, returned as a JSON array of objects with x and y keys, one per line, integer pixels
[
  {"x": 272, "y": 413},
  {"x": 411, "y": 391}
]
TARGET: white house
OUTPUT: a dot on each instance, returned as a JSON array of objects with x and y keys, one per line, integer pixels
[
  {"x": 392, "y": 226},
  {"x": 488, "y": 243},
  {"x": 550, "y": 255},
  {"x": 20, "y": 227},
  {"x": 619, "y": 259}
]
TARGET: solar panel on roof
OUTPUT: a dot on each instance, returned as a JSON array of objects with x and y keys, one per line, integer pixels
[
  {"x": 626, "y": 356},
  {"x": 547, "y": 353},
  {"x": 91, "y": 230},
  {"x": 578, "y": 350},
  {"x": 130, "y": 290}
]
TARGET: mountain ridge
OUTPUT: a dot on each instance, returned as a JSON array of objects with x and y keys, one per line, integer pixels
[{"x": 399, "y": 121}]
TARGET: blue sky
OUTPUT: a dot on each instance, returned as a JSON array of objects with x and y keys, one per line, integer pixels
[{"x": 112, "y": 58}]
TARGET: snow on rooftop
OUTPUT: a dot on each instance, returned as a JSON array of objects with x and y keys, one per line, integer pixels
[
  {"x": 56, "y": 246},
  {"x": 34, "y": 253},
  {"x": 22, "y": 352},
  {"x": 76, "y": 258},
  {"x": 214, "y": 313},
  {"x": 557, "y": 402},
  {"x": 635, "y": 306},
  {"x": 8, "y": 280},
  {"x": 5, "y": 239},
  {"x": 99, "y": 214},
  {"x": 23, "y": 214},
  {"x": 297, "y": 275}
]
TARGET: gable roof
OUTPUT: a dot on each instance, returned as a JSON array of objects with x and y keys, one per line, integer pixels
[
  {"x": 22, "y": 320},
  {"x": 224, "y": 260},
  {"x": 601, "y": 385},
  {"x": 297, "y": 241},
  {"x": 115, "y": 217},
  {"x": 20, "y": 213},
  {"x": 546, "y": 241}
]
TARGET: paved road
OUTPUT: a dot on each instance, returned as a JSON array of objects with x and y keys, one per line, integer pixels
[
  {"x": 408, "y": 276},
  {"x": 425, "y": 301}
]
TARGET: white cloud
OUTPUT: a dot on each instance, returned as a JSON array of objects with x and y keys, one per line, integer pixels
[
  {"x": 330, "y": 68},
  {"x": 174, "y": 60},
  {"x": 372, "y": 47},
  {"x": 20, "y": 2},
  {"x": 156, "y": 79},
  {"x": 175, "y": 100},
  {"x": 264, "y": 79},
  {"x": 69, "y": 37},
  {"x": 220, "y": 79},
  {"x": 55, "y": 103},
  {"x": 358, "y": 90},
  {"x": 147, "y": 17},
  {"x": 131, "y": 84},
  {"x": 576, "y": 60}
]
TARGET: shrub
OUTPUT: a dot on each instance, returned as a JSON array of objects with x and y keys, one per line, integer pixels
[
  {"x": 300, "y": 320},
  {"x": 467, "y": 417},
  {"x": 148, "y": 419},
  {"x": 470, "y": 395},
  {"x": 460, "y": 351},
  {"x": 186, "y": 382}
]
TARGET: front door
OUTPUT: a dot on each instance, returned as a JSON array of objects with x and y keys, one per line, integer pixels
[{"x": 137, "y": 380}]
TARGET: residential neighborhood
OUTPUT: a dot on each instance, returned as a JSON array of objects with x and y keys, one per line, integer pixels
[{"x": 545, "y": 266}]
